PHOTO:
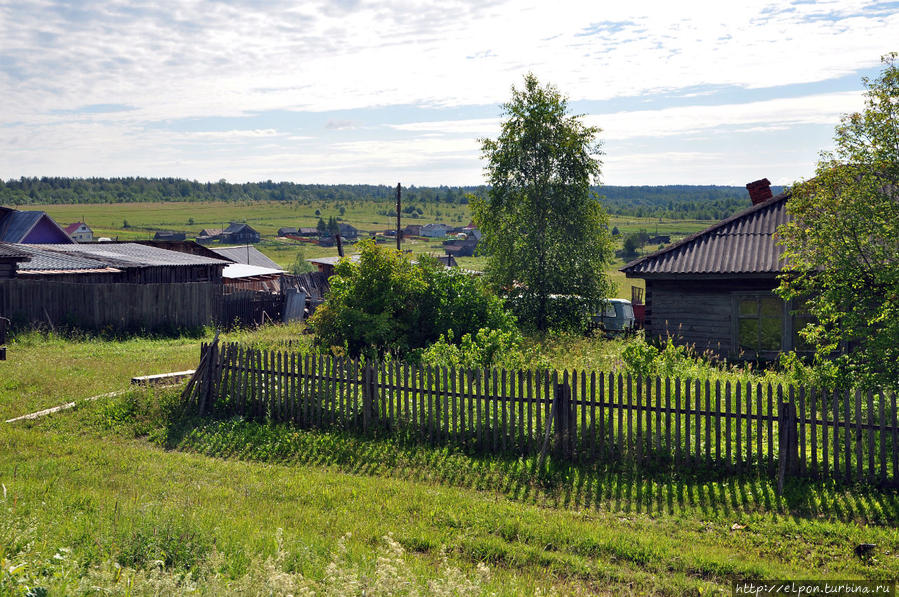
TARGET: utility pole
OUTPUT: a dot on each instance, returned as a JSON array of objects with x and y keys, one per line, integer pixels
[{"x": 399, "y": 232}]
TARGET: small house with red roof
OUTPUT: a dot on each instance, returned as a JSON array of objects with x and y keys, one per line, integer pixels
[{"x": 79, "y": 232}]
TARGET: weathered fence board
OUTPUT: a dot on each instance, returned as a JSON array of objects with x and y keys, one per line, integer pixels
[{"x": 607, "y": 417}]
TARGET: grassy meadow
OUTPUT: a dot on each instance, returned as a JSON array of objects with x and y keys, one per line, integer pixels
[{"x": 125, "y": 495}]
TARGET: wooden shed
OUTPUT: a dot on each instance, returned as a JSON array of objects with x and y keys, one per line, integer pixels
[
  {"x": 714, "y": 289},
  {"x": 10, "y": 257},
  {"x": 112, "y": 285}
]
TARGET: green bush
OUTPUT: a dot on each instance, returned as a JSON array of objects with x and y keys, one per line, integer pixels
[
  {"x": 486, "y": 348},
  {"x": 385, "y": 303}
]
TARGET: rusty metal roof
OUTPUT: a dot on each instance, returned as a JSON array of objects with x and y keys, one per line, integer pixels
[{"x": 743, "y": 244}]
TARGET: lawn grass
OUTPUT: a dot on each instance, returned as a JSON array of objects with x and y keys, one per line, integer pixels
[
  {"x": 46, "y": 370},
  {"x": 83, "y": 482},
  {"x": 125, "y": 481}
]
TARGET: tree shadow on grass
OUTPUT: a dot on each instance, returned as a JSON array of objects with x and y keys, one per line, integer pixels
[{"x": 614, "y": 485}]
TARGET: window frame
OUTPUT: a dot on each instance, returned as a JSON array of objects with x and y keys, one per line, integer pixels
[{"x": 788, "y": 321}]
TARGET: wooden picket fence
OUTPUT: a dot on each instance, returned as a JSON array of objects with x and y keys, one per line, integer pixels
[
  {"x": 4, "y": 324},
  {"x": 576, "y": 415}
]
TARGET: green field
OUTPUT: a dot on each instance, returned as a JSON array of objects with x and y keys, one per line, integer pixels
[
  {"x": 266, "y": 217},
  {"x": 124, "y": 496}
]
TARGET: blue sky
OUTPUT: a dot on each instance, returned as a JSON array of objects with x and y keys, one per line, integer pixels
[{"x": 352, "y": 91}]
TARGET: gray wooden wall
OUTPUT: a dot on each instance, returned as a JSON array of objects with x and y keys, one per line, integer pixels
[
  {"x": 697, "y": 312},
  {"x": 117, "y": 306}
]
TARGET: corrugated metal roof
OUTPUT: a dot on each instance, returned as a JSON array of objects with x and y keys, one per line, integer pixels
[
  {"x": 241, "y": 270},
  {"x": 131, "y": 255},
  {"x": 8, "y": 251},
  {"x": 332, "y": 260},
  {"x": 246, "y": 254},
  {"x": 44, "y": 260},
  {"x": 742, "y": 244}
]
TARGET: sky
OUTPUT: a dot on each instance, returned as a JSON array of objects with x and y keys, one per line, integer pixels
[{"x": 380, "y": 92}]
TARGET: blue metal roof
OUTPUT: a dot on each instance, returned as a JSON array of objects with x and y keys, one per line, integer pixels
[{"x": 17, "y": 224}]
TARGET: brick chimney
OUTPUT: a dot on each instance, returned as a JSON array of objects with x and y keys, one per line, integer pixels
[{"x": 759, "y": 191}]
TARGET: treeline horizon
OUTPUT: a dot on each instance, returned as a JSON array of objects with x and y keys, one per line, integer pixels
[{"x": 695, "y": 202}]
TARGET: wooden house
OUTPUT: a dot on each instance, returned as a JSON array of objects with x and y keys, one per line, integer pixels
[
  {"x": 169, "y": 236},
  {"x": 714, "y": 289},
  {"x": 239, "y": 233},
  {"x": 79, "y": 232},
  {"x": 288, "y": 231},
  {"x": 327, "y": 265},
  {"x": 434, "y": 230},
  {"x": 348, "y": 232},
  {"x": 30, "y": 227},
  {"x": 208, "y": 235},
  {"x": 461, "y": 248}
]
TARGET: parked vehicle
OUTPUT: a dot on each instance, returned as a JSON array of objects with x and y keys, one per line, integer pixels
[{"x": 616, "y": 316}]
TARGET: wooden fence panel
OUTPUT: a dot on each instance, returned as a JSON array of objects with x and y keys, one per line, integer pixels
[{"x": 615, "y": 419}]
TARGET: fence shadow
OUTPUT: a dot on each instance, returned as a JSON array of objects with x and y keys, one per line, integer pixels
[{"x": 614, "y": 486}]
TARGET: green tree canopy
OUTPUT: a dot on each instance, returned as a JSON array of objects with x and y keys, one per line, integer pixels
[
  {"x": 631, "y": 243},
  {"x": 544, "y": 231},
  {"x": 386, "y": 303},
  {"x": 842, "y": 247}
]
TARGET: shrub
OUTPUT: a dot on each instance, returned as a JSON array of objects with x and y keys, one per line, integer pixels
[
  {"x": 385, "y": 303},
  {"x": 640, "y": 357},
  {"x": 486, "y": 348}
]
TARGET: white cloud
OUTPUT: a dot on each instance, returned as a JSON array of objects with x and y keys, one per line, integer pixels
[
  {"x": 202, "y": 58},
  {"x": 195, "y": 59},
  {"x": 769, "y": 115},
  {"x": 233, "y": 134}
]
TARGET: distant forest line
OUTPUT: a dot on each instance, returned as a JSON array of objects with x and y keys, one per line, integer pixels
[{"x": 694, "y": 202}]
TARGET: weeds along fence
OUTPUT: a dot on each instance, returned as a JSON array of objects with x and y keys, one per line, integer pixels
[{"x": 576, "y": 415}]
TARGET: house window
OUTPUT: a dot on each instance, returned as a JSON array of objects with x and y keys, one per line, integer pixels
[
  {"x": 801, "y": 318},
  {"x": 760, "y": 323}
]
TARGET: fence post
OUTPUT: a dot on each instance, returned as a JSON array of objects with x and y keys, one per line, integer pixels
[
  {"x": 209, "y": 379},
  {"x": 788, "y": 443},
  {"x": 562, "y": 415},
  {"x": 3, "y": 325},
  {"x": 369, "y": 397}
]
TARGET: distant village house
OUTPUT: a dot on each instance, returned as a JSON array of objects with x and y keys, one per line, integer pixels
[
  {"x": 239, "y": 233},
  {"x": 169, "y": 235},
  {"x": 79, "y": 232},
  {"x": 434, "y": 230}
]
